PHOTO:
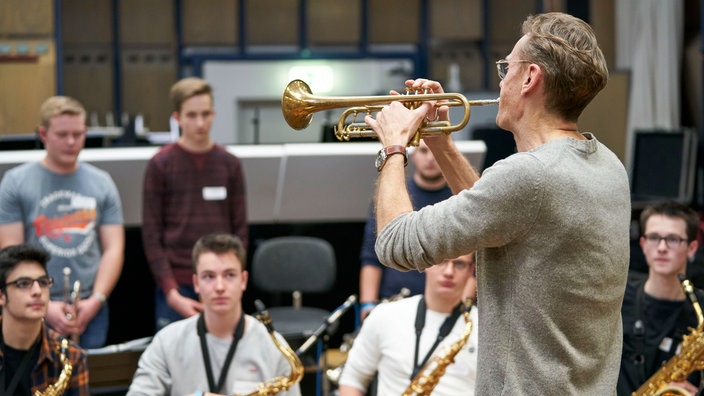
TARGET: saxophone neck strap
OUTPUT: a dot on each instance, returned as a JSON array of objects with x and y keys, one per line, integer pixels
[
  {"x": 239, "y": 330},
  {"x": 445, "y": 329},
  {"x": 23, "y": 370}
]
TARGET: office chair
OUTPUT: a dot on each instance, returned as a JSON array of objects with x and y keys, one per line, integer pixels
[{"x": 297, "y": 265}]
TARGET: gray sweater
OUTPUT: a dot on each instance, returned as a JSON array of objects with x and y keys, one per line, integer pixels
[
  {"x": 173, "y": 362},
  {"x": 551, "y": 227}
]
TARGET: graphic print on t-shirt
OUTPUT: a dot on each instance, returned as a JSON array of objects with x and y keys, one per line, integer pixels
[{"x": 65, "y": 223}]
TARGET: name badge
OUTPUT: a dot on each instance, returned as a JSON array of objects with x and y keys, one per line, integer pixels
[
  {"x": 666, "y": 344},
  {"x": 82, "y": 202},
  {"x": 214, "y": 193}
]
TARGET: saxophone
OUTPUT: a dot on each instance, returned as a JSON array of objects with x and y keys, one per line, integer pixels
[
  {"x": 423, "y": 384},
  {"x": 58, "y": 388},
  {"x": 281, "y": 383},
  {"x": 680, "y": 366}
]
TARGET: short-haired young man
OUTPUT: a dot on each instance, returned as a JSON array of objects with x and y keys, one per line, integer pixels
[
  {"x": 192, "y": 187},
  {"x": 71, "y": 209},
  {"x": 221, "y": 350},
  {"x": 656, "y": 313},
  {"x": 29, "y": 350}
]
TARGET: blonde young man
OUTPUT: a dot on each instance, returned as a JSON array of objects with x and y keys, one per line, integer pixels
[
  {"x": 399, "y": 337},
  {"x": 221, "y": 350},
  {"x": 30, "y": 350},
  {"x": 550, "y": 224},
  {"x": 72, "y": 209},
  {"x": 656, "y": 313},
  {"x": 192, "y": 187}
]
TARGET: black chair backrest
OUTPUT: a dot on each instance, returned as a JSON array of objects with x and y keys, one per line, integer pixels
[{"x": 294, "y": 263}]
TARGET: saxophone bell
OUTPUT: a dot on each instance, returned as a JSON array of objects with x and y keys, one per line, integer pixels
[{"x": 281, "y": 383}]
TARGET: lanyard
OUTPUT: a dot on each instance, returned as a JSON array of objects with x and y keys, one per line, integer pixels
[
  {"x": 23, "y": 370},
  {"x": 445, "y": 329},
  {"x": 239, "y": 330}
]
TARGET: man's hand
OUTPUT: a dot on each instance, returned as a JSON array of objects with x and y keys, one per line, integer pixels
[
  {"x": 686, "y": 386},
  {"x": 185, "y": 306},
  {"x": 56, "y": 316},
  {"x": 87, "y": 309}
]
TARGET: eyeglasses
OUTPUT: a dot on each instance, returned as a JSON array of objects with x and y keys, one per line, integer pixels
[
  {"x": 502, "y": 66},
  {"x": 26, "y": 283},
  {"x": 672, "y": 241},
  {"x": 458, "y": 265}
]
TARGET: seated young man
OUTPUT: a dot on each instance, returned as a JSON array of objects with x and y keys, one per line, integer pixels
[
  {"x": 398, "y": 338},
  {"x": 656, "y": 312},
  {"x": 30, "y": 351},
  {"x": 221, "y": 350}
]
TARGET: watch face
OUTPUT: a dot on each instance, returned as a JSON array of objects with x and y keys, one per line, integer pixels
[{"x": 380, "y": 159}]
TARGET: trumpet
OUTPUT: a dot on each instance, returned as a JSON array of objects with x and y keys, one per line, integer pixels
[{"x": 298, "y": 105}]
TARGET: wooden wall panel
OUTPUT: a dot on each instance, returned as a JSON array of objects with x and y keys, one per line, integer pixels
[
  {"x": 456, "y": 20},
  {"x": 394, "y": 21},
  {"x": 211, "y": 23},
  {"x": 606, "y": 115},
  {"x": 86, "y": 21},
  {"x": 25, "y": 85},
  {"x": 272, "y": 22},
  {"x": 35, "y": 17},
  {"x": 88, "y": 76},
  {"x": 506, "y": 17},
  {"x": 147, "y": 76},
  {"x": 334, "y": 22},
  {"x": 147, "y": 22}
]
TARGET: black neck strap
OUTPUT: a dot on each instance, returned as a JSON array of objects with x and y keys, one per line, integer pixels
[
  {"x": 445, "y": 329},
  {"x": 239, "y": 330},
  {"x": 23, "y": 370}
]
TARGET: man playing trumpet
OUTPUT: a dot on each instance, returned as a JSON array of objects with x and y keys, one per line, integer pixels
[{"x": 550, "y": 224}]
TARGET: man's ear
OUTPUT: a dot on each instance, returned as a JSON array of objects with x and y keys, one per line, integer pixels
[{"x": 41, "y": 133}]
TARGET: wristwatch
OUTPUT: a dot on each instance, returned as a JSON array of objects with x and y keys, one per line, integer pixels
[{"x": 386, "y": 152}]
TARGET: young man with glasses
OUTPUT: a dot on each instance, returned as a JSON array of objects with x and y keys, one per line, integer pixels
[
  {"x": 30, "y": 350},
  {"x": 387, "y": 338},
  {"x": 550, "y": 223},
  {"x": 656, "y": 313}
]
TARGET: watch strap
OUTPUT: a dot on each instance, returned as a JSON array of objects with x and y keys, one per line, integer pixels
[{"x": 396, "y": 149}]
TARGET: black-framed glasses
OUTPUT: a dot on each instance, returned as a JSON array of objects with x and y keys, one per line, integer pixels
[
  {"x": 26, "y": 283},
  {"x": 672, "y": 241},
  {"x": 502, "y": 66}
]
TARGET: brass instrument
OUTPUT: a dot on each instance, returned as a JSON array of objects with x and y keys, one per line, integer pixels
[
  {"x": 71, "y": 298},
  {"x": 680, "y": 366},
  {"x": 298, "y": 105},
  {"x": 281, "y": 383},
  {"x": 58, "y": 388},
  {"x": 424, "y": 383},
  {"x": 334, "y": 375}
]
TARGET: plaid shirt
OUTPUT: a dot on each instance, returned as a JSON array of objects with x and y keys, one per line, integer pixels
[{"x": 48, "y": 368}]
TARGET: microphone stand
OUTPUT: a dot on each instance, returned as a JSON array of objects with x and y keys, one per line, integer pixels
[
  {"x": 332, "y": 318},
  {"x": 321, "y": 333}
]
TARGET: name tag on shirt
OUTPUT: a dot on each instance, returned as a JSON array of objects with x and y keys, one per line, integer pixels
[
  {"x": 81, "y": 202},
  {"x": 214, "y": 193},
  {"x": 666, "y": 344}
]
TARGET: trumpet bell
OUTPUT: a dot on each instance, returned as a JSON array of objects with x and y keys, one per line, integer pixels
[{"x": 295, "y": 104}]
